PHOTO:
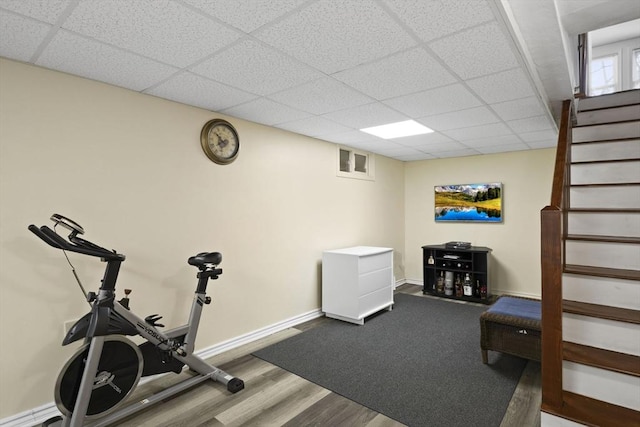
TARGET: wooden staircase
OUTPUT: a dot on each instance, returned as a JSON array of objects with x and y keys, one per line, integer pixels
[{"x": 591, "y": 266}]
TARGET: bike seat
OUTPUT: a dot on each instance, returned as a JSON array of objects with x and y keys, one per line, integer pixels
[{"x": 206, "y": 258}]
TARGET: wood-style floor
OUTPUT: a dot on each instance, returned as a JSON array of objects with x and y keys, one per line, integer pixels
[{"x": 275, "y": 397}]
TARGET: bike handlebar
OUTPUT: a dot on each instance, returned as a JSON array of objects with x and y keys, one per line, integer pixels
[{"x": 79, "y": 245}]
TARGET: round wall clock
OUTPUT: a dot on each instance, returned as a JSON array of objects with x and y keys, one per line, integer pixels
[{"x": 220, "y": 141}]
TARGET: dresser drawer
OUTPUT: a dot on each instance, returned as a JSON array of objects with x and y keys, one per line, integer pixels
[
  {"x": 375, "y": 280},
  {"x": 375, "y": 262},
  {"x": 375, "y": 301}
]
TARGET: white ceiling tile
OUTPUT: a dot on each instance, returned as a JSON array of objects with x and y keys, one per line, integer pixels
[
  {"x": 20, "y": 36},
  {"x": 255, "y": 68},
  {"x": 422, "y": 140},
  {"x": 43, "y": 10},
  {"x": 492, "y": 141},
  {"x": 247, "y": 15},
  {"x": 265, "y": 111},
  {"x": 162, "y": 30},
  {"x": 314, "y": 126},
  {"x": 366, "y": 115},
  {"x": 458, "y": 119},
  {"x": 503, "y": 148},
  {"x": 431, "y": 19},
  {"x": 406, "y": 72},
  {"x": 334, "y": 35},
  {"x": 351, "y": 137},
  {"x": 88, "y": 58},
  {"x": 476, "y": 52},
  {"x": 321, "y": 96},
  {"x": 415, "y": 157},
  {"x": 436, "y": 148},
  {"x": 518, "y": 108},
  {"x": 200, "y": 92},
  {"x": 549, "y": 143},
  {"x": 399, "y": 150},
  {"x": 378, "y": 146},
  {"x": 476, "y": 132},
  {"x": 434, "y": 101},
  {"x": 531, "y": 124},
  {"x": 503, "y": 86},
  {"x": 543, "y": 135},
  {"x": 457, "y": 153}
]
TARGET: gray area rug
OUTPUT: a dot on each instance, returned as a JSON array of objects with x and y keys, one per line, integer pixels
[{"x": 419, "y": 364}]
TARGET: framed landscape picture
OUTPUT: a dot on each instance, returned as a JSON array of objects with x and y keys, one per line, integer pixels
[{"x": 469, "y": 202}]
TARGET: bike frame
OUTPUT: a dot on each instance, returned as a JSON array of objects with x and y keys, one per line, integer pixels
[{"x": 109, "y": 316}]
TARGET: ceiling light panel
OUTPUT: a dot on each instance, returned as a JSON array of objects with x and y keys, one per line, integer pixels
[{"x": 398, "y": 129}]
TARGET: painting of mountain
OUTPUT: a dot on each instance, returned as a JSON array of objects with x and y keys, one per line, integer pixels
[{"x": 469, "y": 202}]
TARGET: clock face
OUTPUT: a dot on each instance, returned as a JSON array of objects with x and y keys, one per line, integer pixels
[{"x": 220, "y": 141}]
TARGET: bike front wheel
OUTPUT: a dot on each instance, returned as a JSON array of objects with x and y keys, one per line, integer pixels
[{"x": 118, "y": 373}]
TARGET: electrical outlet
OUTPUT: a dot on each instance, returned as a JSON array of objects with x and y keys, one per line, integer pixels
[{"x": 66, "y": 326}]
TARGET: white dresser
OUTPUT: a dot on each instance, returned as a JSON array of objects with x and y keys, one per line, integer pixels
[{"x": 357, "y": 282}]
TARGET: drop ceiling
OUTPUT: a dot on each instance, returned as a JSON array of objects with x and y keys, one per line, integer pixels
[{"x": 321, "y": 68}]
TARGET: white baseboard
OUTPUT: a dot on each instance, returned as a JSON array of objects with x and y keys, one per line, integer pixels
[
  {"x": 498, "y": 292},
  {"x": 37, "y": 416}
]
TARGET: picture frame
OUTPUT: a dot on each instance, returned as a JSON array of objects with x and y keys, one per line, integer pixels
[{"x": 469, "y": 203}]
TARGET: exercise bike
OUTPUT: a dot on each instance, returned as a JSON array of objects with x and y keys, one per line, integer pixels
[{"x": 105, "y": 370}]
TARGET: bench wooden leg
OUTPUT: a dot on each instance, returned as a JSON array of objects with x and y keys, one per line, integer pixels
[{"x": 485, "y": 358}]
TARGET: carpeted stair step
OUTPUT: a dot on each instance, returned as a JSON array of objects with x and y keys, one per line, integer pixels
[
  {"x": 614, "y": 273},
  {"x": 601, "y": 311},
  {"x": 601, "y": 358}
]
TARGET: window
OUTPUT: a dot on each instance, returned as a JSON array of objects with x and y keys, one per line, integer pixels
[
  {"x": 603, "y": 75},
  {"x": 635, "y": 69},
  {"x": 355, "y": 164}
]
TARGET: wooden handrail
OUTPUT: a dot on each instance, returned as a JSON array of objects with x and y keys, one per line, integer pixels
[
  {"x": 553, "y": 233},
  {"x": 560, "y": 176}
]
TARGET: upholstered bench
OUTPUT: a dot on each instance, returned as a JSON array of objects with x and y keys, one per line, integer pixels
[{"x": 512, "y": 326}]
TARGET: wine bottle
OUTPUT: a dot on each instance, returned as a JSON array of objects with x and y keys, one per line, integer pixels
[{"x": 467, "y": 287}]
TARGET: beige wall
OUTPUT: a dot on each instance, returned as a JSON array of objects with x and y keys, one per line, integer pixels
[
  {"x": 129, "y": 168},
  {"x": 526, "y": 179}
]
